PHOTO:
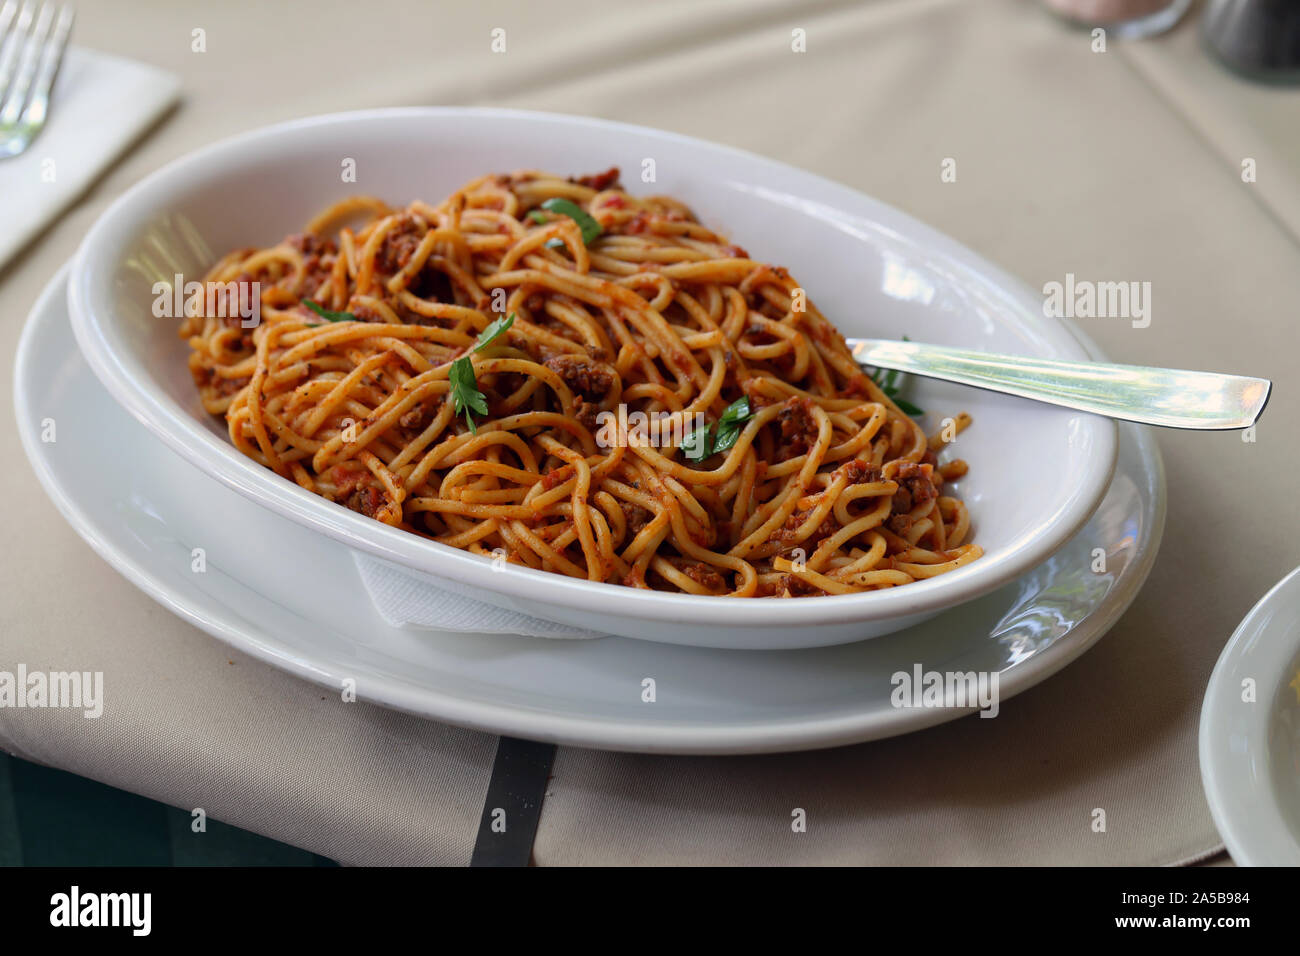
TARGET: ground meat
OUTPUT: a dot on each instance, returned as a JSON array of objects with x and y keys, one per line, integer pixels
[
  {"x": 345, "y": 478},
  {"x": 798, "y": 428},
  {"x": 705, "y": 575},
  {"x": 915, "y": 486},
  {"x": 860, "y": 472},
  {"x": 752, "y": 388},
  {"x": 827, "y": 527},
  {"x": 598, "y": 181},
  {"x": 902, "y": 503},
  {"x": 731, "y": 363},
  {"x": 400, "y": 244},
  {"x": 587, "y": 414},
  {"x": 637, "y": 519},
  {"x": 900, "y": 524},
  {"x": 319, "y": 254},
  {"x": 793, "y": 523},
  {"x": 312, "y": 244},
  {"x": 367, "y": 500},
  {"x": 419, "y": 416},
  {"x": 590, "y": 379},
  {"x": 793, "y": 586},
  {"x": 432, "y": 284},
  {"x": 220, "y": 384},
  {"x": 365, "y": 313},
  {"x": 357, "y": 489},
  {"x": 786, "y": 532}
]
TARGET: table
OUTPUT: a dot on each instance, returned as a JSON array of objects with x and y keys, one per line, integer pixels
[{"x": 1123, "y": 165}]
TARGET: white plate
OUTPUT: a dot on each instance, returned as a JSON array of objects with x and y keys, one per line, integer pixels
[
  {"x": 1037, "y": 472},
  {"x": 1250, "y": 749},
  {"x": 143, "y": 509}
]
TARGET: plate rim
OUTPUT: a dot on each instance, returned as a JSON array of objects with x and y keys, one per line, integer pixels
[
  {"x": 686, "y": 739},
  {"x": 203, "y": 450},
  {"x": 1248, "y": 845}
]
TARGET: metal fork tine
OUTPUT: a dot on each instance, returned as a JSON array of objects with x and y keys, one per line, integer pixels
[
  {"x": 51, "y": 56},
  {"x": 7, "y": 14},
  {"x": 13, "y": 106},
  {"x": 11, "y": 44}
]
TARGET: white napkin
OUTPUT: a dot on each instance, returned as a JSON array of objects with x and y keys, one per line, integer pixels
[
  {"x": 404, "y": 599},
  {"x": 99, "y": 105}
]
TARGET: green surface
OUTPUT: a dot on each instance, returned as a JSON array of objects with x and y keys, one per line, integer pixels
[{"x": 53, "y": 818}]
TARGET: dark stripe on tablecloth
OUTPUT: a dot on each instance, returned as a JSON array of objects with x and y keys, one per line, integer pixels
[{"x": 514, "y": 799}]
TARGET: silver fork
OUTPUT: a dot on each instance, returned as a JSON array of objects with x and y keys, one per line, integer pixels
[
  {"x": 1174, "y": 398},
  {"x": 31, "y": 48}
]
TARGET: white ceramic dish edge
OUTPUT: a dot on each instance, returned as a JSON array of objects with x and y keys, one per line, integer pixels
[
  {"x": 405, "y": 695},
  {"x": 708, "y": 621},
  {"x": 1233, "y": 740}
]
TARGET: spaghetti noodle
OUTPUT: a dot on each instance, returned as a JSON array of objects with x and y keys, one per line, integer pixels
[{"x": 359, "y": 383}]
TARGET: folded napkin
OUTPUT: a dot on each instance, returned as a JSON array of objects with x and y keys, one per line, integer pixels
[
  {"x": 404, "y": 599},
  {"x": 99, "y": 105}
]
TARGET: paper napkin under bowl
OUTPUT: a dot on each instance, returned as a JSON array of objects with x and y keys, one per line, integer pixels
[{"x": 405, "y": 599}]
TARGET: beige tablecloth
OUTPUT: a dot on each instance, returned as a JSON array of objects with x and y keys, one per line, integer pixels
[{"x": 1115, "y": 166}]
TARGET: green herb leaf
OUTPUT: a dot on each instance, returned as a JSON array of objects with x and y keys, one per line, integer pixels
[
  {"x": 465, "y": 396},
  {"x": 591, "y": 229},
  {"x": 725, "y": 437},
  {"x": 737, "y": 411},
  {"x": 703, "y": 442},
  {"x": 536, "y": 215},
  {"x": 890, "y": 382},
  {"x": 696, "y": 446},
  {"x": 326, "y": 314},
  {"x": 494, "y": 329}
]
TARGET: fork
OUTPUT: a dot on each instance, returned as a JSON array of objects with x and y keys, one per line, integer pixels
[
  {"x": 31, "y": 48},
  {"x": 1174, "y": 398}
]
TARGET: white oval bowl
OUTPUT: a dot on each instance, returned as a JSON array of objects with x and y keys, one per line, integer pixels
[{"x": 1037, "y": 472}]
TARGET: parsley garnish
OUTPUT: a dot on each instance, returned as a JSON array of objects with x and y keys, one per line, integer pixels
[
  {"x": 703, "y": 442},
  {"x": 494, "y": 329},
  {"x": 590, "y": 228},
  {"x": 326, "y": 314},
  {"x": 465, "y": 396},
  {"x": 888, "y": 382}
]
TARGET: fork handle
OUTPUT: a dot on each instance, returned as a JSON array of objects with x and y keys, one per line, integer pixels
[{"x": 1174, "y": 398}]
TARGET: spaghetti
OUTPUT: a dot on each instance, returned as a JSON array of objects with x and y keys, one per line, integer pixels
[{"x": 358, "y": 383}]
